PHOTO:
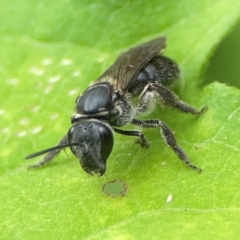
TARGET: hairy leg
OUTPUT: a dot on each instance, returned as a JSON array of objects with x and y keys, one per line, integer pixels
[
  {"x": 166, "y": 98},
  {"x": 168, "y": 137}
]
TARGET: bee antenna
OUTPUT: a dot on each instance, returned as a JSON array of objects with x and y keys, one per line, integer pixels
[{"x": 49, "y": 150}]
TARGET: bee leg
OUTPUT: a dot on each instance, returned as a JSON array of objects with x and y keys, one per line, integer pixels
[
  {"x": 142, "y": 139},
  {"x": 169, "y": 98},
  {"x": 144, "y": 99},
  {"x": 168, "y": 137},
  {"x": 51, "y": 154}
]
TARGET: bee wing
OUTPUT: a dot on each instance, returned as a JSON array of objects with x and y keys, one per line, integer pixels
[{"x": 128, "y": 64}]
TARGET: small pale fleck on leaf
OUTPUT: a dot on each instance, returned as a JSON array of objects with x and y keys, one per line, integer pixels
[
  {"x": 22, "y": 134},
  {"x": 36, "y": 129},
  {"x": 5, "y": 130},
  {"x": 36, "y": 71},
  {"x": 72, "y": 92},
  {"x": 76, "y": 73},
  {"x": 35, "y": 108},
  {"x": 47, "y": 90},
  {"x": 23, "y": 121},
  {"x": 66, "y": 62},
  {"x": 12, "y": 81},
  {"x": 46, "y": 62},
  {"x": 54, "y": 79},
  {"x": 101, "y": 59},
  {"x": 169, "y": 198},
  {"x": 53, "y": 116}
]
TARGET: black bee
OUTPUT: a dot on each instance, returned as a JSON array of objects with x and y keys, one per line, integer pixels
[{"x": 107, "y": 105}]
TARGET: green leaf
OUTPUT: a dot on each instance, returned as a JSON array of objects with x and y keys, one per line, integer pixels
[{"x": 50, "y": 52}]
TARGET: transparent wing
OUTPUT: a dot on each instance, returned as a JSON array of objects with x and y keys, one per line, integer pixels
[{"x": 128, "y": 64}]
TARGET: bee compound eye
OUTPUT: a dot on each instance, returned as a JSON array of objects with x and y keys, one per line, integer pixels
[{"x": 106, "y": 136}]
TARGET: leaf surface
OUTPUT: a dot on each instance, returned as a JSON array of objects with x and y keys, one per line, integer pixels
[{"x": 50, "y": 52}]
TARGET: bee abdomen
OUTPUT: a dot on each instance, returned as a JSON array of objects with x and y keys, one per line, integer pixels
[{"x": 159, "y": 70}]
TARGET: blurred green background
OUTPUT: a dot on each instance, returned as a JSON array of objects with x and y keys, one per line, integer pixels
[{"x": 224, "y": 65}]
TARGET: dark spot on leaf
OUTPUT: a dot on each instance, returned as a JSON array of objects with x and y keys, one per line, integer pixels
[{"x": 115, "y": 188}]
